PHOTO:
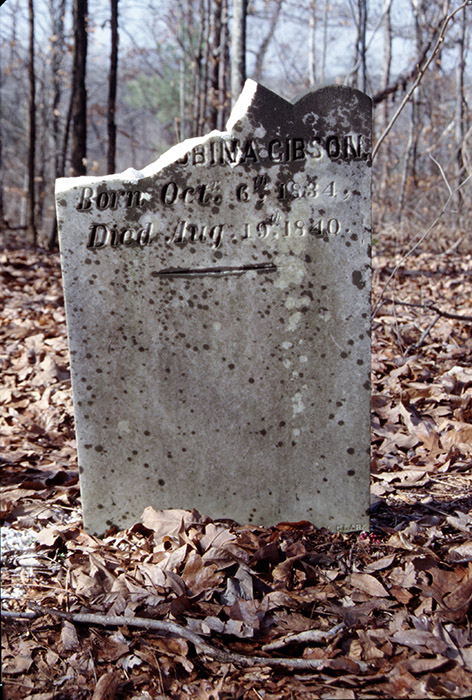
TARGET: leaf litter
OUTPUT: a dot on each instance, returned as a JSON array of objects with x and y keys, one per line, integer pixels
[{"x": 323, "y": 615}]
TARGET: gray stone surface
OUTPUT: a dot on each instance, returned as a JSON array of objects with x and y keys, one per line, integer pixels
[{"x": 218, "y": 310}]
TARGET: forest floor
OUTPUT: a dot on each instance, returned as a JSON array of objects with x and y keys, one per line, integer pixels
[{"x": 379, "y": 614}]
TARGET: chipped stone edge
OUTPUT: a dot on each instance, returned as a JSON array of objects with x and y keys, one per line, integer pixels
[{"x": 132, "y": 176}]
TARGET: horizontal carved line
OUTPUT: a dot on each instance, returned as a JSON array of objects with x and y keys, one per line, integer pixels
[{"x": 189, "y": 272}]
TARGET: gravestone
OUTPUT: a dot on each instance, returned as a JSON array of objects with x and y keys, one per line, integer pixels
[{"x": 218, "y": 316}]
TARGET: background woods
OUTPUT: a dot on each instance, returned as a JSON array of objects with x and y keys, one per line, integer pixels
[
  {"x": 213, "y": 608},
  {"x": 93, "y": 87}
]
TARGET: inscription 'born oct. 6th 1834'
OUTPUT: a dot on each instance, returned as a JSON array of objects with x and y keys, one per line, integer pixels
[
  {"x": 218, "y": 315},
  {"x": 273, "y": 227}
]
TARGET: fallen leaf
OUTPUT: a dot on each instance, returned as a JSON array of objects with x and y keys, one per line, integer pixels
[
  {"x": 380, "y": 564},
  {"x": 11, "y": 665},
  {"x": 419, "y": 639},
  {"x": 368, "y": 584},
  {"x": 164, "y": 523},
  {"x": 460, "y": 554},
  {"x": 107, "y": 686},
  {"x": 427, "y": 665},
  {"x": 69, "y": 637}
]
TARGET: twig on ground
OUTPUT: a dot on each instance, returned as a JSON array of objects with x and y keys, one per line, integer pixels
[
  {"x": 12, "y": 614},
  {"x": 306, "y": 636},
  {"x": 453, "y": 248},
  {"x": 427, "y": 306},
  {"x": 424, "y": 335},
  {"x": 440, "y": 272},
  {"x": 184, "y": 633}
]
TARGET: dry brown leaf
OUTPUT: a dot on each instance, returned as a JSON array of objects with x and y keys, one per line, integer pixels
[
  {"x": 419, "y": 640},
  {"x": 69, "y": 638},
  {"x": 460, "y": 554},
  {"x": 461, "y": 375},
  {"x": 166, "y": 523},
  {"x": 368, "y": 584},
  {"x": 215, "y": 536},
  {"x": 401, "y": 594},
  {"x": 457, "y": 603},
  {"x": 20, "y": 661},
  {"x": 199, "y": 578},
  {"x": 461, "y": 521},
  {"x": 51, "y": 536},
  {"x": 113, "y": 647},
  {"x": 107, "y": 686},
  {"x": 380, "y": 564},
  {"x": 245, "y": 611},
  {"x": 427, "y": 665},
  {"x": 460, "y": 437}
]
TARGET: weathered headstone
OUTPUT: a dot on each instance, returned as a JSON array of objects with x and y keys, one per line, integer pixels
[{"x": 218, "y": 315}]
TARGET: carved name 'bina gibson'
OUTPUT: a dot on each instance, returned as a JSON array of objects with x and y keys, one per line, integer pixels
[{"x": 235, "y": 152}]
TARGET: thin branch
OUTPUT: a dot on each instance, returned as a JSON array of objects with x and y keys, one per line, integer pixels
[
  {"x": 404, "y": 78},
  {"x": 443, "y": 174},
  {"x": 306, "y": 636},
  {"x": 424, "y": 335},
  {"x": 440, "y": 272},
  {"x": 14, "y": 615},
  {"x": 419, "y": 77},
  {"x": 427, "y": 306},
  {"x": 184, "y": 633}
]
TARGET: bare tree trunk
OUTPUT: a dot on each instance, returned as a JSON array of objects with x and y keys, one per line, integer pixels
[
  {"x": 325, "y": 42},
  {"x": 407, "y": 162},
  {"x": 42, "y": 139},
  {"x": 261, "y": 54},
  {"x": 182, "y": 130},
  {"x": 57, "y": 16},
  {"x": 359, "y": 72},
  {"x": 387, "y": 57},
  {"x": 461, "y": 119},
  {"x": 363, "y": 45},
  {"x": 222, "y": 68},
  {"x": 79, "y": 96},
  {"x": 312, "y": 45},
  {"x": 65, "y": 141},
  {"x": 215, "y": 57},
  {"x": 57, "y": 55},
  {"x": 386, "y": 70},
  {"x": 238, "y": 46},
  {"x": 185, "y": 48},
  {"x": 206, "y": 64},
  {"x": 31, "y": 203},
  {"x": 112, "y": 83},
  {"x": 410, "y": 162},
  {"x": 67, "y": 126},
  {"x": 3, "y": 221},
  {"x": 197, "y": 71}
]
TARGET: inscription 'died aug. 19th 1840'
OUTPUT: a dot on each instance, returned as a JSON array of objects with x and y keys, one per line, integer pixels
[{"x": 218, "y": 316}]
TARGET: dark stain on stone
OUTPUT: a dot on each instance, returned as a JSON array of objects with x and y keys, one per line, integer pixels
[{"x": 357, "y": 280}]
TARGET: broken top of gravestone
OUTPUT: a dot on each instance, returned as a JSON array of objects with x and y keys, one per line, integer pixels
[{"x": 218, "y": 316}]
